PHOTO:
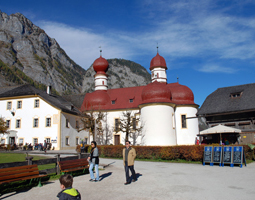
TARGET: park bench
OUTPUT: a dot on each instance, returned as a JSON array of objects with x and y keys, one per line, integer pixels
[
  {"x": 73, "y": 165},
  {"x": 13, "y": 174}
]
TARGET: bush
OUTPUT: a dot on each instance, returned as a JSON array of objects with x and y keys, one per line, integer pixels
[{"x": 185, "y": 152}]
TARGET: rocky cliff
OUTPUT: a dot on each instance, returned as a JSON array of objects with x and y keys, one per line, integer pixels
[{"x": 29, "y": 55}]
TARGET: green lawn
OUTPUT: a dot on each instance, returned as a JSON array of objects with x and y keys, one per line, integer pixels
[{"x": 19, "y": 157}]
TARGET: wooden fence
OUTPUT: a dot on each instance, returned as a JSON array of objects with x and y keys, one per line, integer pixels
[{"x": 55, "y": 160}]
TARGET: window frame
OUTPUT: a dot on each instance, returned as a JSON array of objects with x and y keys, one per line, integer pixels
[
  {"x": 19, "y": 104},
  {"x": 34, "y": 123},
  {"x": 37, "y": 103},
  {"x": 7, "y": 105},
  {"x": 18, "y": 125},
  {"x": 46, "y": 122},
  {"x": 184, "y": 121}
]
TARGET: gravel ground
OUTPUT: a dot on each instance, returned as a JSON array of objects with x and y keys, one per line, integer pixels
[{"x": 157, "y": 180}]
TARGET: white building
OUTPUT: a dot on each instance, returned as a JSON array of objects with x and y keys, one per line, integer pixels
[
  {"x": 33, "y": 116},
  {"x": 167, "y": 111}
]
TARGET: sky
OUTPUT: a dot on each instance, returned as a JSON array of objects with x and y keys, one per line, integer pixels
[{"x": 207, "y": 44}]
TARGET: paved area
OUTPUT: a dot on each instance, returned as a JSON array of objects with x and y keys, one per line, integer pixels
[{"x": 157, "y": 180}]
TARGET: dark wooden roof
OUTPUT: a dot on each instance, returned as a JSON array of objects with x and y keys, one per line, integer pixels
[
  {"x": 27, "y": 90},
  {"x": 222, "y": 100}
]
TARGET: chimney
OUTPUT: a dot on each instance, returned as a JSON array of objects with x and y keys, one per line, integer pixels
[{"x": 49, "y": 89}]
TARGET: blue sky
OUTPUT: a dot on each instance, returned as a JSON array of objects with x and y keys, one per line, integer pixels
[{"x": 208, "y": 44}]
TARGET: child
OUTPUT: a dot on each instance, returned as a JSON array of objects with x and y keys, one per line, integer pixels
[{"x": 67, "y": 193}]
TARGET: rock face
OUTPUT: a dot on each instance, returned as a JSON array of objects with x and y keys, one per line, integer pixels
[
  {"x": 29, "y": 55},
  {"x": 121, "y": 73}
]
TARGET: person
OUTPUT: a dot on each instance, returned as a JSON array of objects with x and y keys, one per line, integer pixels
[
  {"x": 93, "y": 162},
  {"x": 82, "y": 146},
  {"x": 45, "y": 146},
  {"x": 67, "y": 193},
  {"x": 129, "y": 155}
]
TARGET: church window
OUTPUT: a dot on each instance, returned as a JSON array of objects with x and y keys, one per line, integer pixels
[
  {"x": 184, "y": 122},
  {"x": 67, "y": 123},
  {"x": 117, "y": 125},
  {"x": 67, "y": 140}
]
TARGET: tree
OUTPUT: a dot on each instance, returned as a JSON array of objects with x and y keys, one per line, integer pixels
[
  {"x": 3, "y": 127},
  {"x": 92, "y": 122},
  {"x": 128, "y": 124}
]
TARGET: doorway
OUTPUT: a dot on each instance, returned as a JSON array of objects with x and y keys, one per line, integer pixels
[
  {"x": 116, "y": 140},
  {"x": 11, "y": 140}
]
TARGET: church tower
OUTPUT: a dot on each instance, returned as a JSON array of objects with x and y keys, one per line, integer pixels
[{"x": 158, "y": 69}]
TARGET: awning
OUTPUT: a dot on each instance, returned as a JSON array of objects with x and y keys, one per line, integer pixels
[{"x": 219, "y": 129}]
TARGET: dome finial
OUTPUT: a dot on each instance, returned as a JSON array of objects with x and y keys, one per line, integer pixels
[
  {"x": 100, "y": 51},
  {"x": 157, "y": 47},
  {"x": 177, "y": 79}
]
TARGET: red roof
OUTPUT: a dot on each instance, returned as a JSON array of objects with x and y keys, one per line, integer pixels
[
  {"x": 132, "y": 97},
  {"x": 100, "y": 64},
  {"x": 158, "y": 61}
]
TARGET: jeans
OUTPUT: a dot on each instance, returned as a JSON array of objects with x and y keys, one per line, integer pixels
[
  {"x": 127, "y": 172},
  {"x": 91, "y": 166}
]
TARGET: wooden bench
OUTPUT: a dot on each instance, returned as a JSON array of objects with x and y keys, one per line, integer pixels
[
  {"x": 21, "y": 173},
  {"x": 73, "y": 165}
]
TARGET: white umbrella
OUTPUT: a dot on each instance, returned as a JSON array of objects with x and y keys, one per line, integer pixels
[{"x": 219, "y": 129}]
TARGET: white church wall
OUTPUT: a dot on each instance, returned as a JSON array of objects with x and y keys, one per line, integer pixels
[
  {"x": 186, "y": 136},
  {"x": 158, "y": 125}
]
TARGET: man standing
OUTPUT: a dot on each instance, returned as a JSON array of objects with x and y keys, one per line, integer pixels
[{"x": 129, "y": 155}]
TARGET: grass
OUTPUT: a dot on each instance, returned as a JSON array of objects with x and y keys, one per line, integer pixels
[{"x": 19, "y": 157}]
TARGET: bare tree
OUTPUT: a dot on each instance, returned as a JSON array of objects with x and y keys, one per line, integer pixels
[
  {"x": 128, "y": 124},
  {"x": 3, "y": 127},
  {"x": 92, "y": 122},
  {"x": 137, "y": 132}
]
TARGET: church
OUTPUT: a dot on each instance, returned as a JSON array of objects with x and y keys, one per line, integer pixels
[{"x": 166, "y": 111}]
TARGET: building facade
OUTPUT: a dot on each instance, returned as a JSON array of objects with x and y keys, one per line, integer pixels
[
  {"x": 33, "y": 116},
  {"x": 166, "y": 110},
  {"x": 233, "y": 107}
]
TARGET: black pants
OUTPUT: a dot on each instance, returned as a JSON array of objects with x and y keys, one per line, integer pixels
[{"x": 126, "y": 167}]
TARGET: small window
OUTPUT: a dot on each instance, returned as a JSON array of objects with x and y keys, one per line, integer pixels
[
  {"x": 8, "y": 123},
  {"x": 18, "y": 123},
  {"x": 67, "y": 140},
  {"x": 113, "y": 101},
  {"x": 77, "y": 124},
  {"x": 21, "y": 141},
  {"x": 184, "y": 123},
  {"x": 134, "y": 123},
  {"x": 47, "y": 140},
  {"x": 236, "y": 95},
  {"x": 19, "y": 104},
  {"x": 37, "y": 103},
  {"x": 9, "y": 105},
  {"x": 36, "y": 122},
  {"x": 117, "y": 125},
  {"x": 35, "y": 140},
  {"x": 131, "y": 100},
  {"x": 48, "y": 122},
  {"x": 67, "y": 123},
  {"x": 77, "y": 141}
]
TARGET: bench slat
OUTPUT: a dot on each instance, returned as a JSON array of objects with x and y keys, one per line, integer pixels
[
  {"x": 17, "y": 168},
  {"x": 14, "y": 176},
  {"x": 24, "y": 178},
  {"x": 73, "y": 165},
  {"x": 18, "y": 171}
]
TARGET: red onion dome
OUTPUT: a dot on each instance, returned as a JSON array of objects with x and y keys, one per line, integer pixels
[
  {"x": 156, "y": 92},
  {"x": 100, "y": 64},
  {"x": 95, "y": 100},
  {"x": 181, "y": 94},
  {"x": 158, "y": 61}
]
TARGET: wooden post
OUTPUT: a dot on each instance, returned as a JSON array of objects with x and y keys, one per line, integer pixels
[
  {"x": 57, "y": 166},
  {"x": 29, "y": 160}
]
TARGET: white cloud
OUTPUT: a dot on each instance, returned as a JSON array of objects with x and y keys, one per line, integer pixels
[
  {"x": 182, "y": 30},
  {"x": 212, "y": 68}
]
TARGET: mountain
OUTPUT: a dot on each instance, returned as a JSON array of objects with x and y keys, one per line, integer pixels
[
  {"x": 29, "y": 55},
  {"x": 121, "y": 73}
]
